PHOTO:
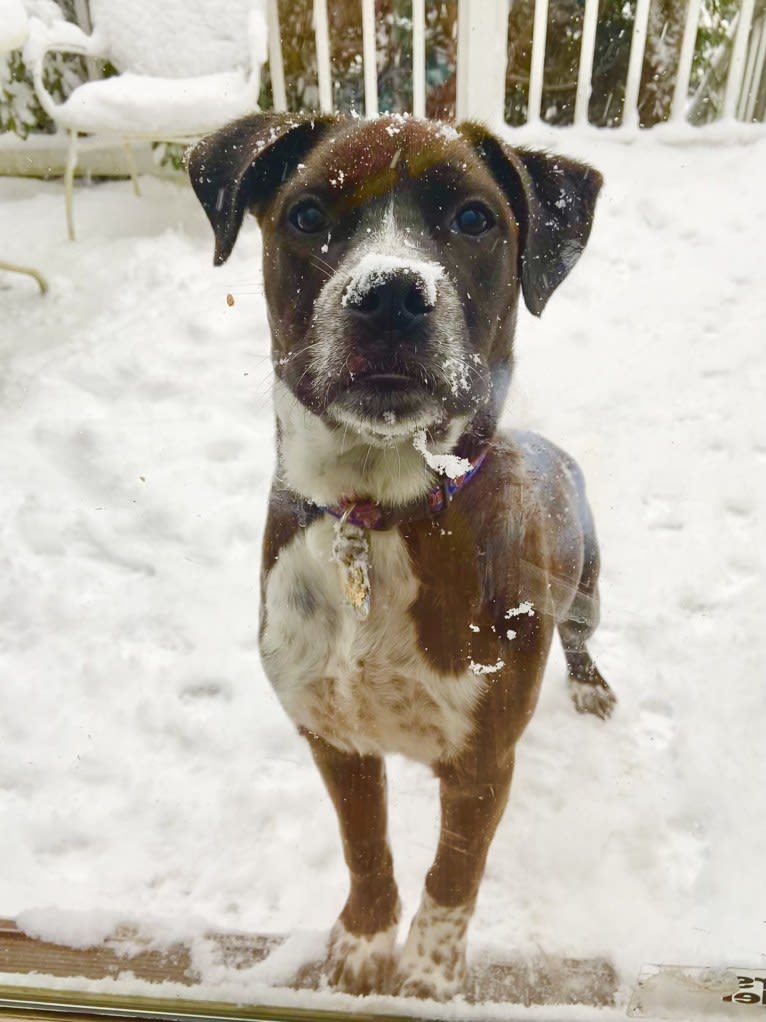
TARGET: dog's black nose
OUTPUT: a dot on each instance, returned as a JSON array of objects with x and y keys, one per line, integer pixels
[{"x": 396, "y": 303}]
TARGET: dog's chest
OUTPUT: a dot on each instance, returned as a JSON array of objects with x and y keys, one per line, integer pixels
[{"x": 363, "y": 685}]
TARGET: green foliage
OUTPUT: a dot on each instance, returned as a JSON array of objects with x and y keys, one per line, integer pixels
[
  {"x": 169, "y": 154},
  {"x": 711, "y": 52},
  {"x": 716, "y": 22},
  {"x": 20, "y": 110}
]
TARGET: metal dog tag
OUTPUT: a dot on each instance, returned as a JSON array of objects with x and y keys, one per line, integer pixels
[{"x": 351, "y": 552}]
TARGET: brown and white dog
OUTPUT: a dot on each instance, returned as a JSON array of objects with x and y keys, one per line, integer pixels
[{"x": 416, "y": 561}]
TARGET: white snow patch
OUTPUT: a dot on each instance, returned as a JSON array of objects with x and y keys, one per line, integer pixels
[
  {"x": 458, "y": 374},
  {"x": 450, "y": 465},
  {"x": 523, "y": 608},
  {"x": 486, "y": 668},
  {"x": 129, "y": 103},
  {"x": 73, "y": 929},
  {"x": 448, "y": 132}
]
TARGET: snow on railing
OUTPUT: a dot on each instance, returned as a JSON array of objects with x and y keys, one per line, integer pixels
[
  {"x": 537, "y": 67},
  {"x": 685, "y": 61},
  {"x": 481, "y": 63},
  {"x": 324, "y": 68},
  {"x": 754, "y": 73},
  {"x": 635, "y": 64},
  {"x": 481, "y": 59},
  {"x": 419, "y": 58},
  {"x": 738, "y": 59},
  {"x": 587, "y": 52},
  {"x": 370, "y": 59},
  {"x": 276, "y": 65}
]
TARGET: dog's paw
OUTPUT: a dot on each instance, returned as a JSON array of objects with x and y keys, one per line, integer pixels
[
  {"x": 359, "y": 964},
  {"x": 592, "y": 696},
  {"x": 432, "y": 988},
  {"x": 432, "y": 964}
]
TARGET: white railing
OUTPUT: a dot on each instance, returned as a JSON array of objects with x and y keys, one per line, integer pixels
[
  {"x": 370, "y": 59},
  {"x": 754, "y": 72},
  {"x": 738, "y": 59},
  {"x": 482, "y": 58}
]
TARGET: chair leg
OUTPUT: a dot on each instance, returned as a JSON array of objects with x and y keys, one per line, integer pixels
[
  {"x": 71, "y": 164},
  {"x": 132, "y": 167},
  {"x": 41, "y": 281}
]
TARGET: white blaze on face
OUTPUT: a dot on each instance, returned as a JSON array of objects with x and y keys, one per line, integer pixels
[
  {"x": 450, "y": 465},
  {"x": 388, "y": 254}
]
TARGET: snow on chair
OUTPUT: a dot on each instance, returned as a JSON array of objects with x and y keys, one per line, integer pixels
[
  {"x": 14, "y": 28},
  {"x": 185, "y": 68}
]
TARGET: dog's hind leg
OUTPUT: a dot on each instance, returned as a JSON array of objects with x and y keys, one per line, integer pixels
[
  {"x": 361, "y": 948},
  {"x": 589, "y": 692}
]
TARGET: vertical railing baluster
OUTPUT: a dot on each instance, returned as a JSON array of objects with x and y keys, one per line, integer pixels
[
  {"x": 759, "y": 64},
  {"x": 370, "y": 55},
  {"x": 738, "y": 58},
  {"x": 747, "y": 79},
  {"x": 482, "y": 56},
  {"x": 585, "y": 72},
  {"x": 685, "y": 61},
  {"x": 463, "y": 68},
  {"x": 635, "y": 64},
  {"x": 751, "y": 76},
  {"x": 537, "y": 63},
  {"x": 276, "y": 65},
  {"x": 324, "y": 70},
  {"x": 419, "y": 58}
]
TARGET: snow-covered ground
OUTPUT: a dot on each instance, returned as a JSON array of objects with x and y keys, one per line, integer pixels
[{"x": 146, "y": 770}]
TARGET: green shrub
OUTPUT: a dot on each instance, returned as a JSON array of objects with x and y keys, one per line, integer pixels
[{"x": 20, "y": 110}]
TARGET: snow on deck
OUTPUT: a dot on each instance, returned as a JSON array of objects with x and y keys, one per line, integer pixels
[{"x": 146, "y": 770}]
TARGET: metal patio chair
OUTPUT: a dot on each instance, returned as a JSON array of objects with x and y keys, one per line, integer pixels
[{"x": 185, "y": 67}]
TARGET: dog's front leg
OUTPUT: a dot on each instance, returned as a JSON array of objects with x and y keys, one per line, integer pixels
[
  {"x": 433, "y": 962},
  {"x": 361, "y": 949}
]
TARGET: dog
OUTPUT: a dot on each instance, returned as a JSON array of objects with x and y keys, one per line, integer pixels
[{"x": 416, "y": 561}]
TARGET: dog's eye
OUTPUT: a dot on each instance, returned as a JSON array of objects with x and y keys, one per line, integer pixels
[
  {"x": 309, "y": 217},
  {"x": 474, "y": 219}
]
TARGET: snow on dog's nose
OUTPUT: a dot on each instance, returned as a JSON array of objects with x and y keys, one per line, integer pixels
[{"x": 392, "y": 293}]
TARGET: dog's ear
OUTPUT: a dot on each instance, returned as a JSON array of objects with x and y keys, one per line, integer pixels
[
  {"x": 241, "y": 166},
  {"x": 553, "y": 199}
]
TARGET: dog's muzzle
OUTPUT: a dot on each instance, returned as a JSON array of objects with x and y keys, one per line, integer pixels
[{"x": 390, "y": 353}]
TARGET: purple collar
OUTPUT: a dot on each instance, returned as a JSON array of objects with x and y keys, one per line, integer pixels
[{"x": 367, "y": 514}]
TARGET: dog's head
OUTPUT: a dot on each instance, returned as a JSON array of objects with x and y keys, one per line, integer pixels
[{"x": 394, "y": 251}]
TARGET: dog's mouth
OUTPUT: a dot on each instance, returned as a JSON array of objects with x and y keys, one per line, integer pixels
[
  {"x": 392, "y": 381},
  {"x": 388, "y": 395},
  {"x": 395, "y": 373},
  {"x": 386, "y": 402}
]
